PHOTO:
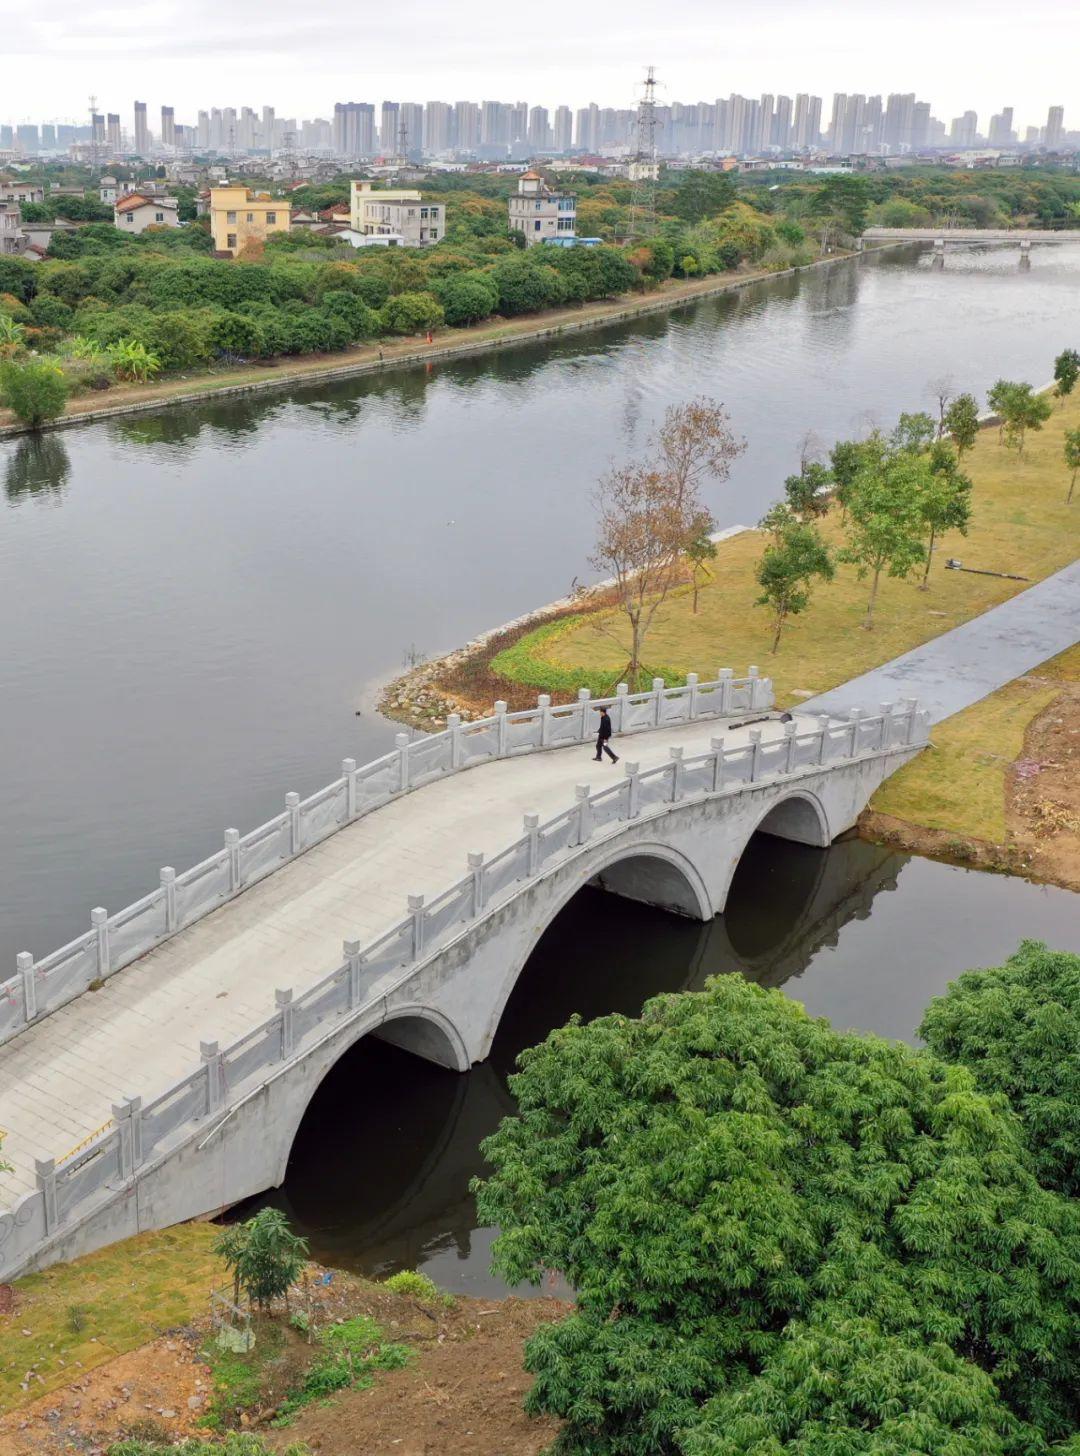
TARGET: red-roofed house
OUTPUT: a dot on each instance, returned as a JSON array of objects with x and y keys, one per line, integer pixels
[{"x": 135, "y": 213}]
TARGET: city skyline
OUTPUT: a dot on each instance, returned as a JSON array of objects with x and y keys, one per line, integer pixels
[{"x": 975, "y": 57}]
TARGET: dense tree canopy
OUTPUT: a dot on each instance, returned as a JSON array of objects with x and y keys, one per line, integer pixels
[{"x": 783, "y": 1238}]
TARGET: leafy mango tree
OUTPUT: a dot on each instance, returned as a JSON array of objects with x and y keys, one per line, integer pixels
[
  {"x": 782, "y": 1237},
  {"x": 884, "y": 524}
]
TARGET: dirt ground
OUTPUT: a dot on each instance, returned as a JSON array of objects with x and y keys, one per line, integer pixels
[
  {"x": 157, "y": 1390},
  {"x": 461, "y": 1392},
  {"x": 1042, "y": 807},
  {"x": 462, "y": 1395}
]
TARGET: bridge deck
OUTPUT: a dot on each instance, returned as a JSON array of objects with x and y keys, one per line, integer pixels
[{"x": 216, "y": 980}]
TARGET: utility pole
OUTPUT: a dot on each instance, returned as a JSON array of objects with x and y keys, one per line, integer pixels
[
  {"x": 403, "y": 139},
  {"x": 643, "y": 164}
]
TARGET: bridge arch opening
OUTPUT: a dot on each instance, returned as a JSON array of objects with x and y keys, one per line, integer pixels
[{"x": 656, "y": 876}]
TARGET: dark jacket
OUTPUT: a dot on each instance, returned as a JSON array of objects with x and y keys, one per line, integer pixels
[{"x": 605, "y": 725}]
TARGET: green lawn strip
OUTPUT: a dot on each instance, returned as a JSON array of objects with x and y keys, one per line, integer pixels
[
  {"x": 958, "y": 784},
  {"x": 72, "y": 1317},
  {"x": 525, "y": 663}
]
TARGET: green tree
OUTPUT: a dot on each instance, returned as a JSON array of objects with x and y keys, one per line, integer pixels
[
  {"x": 526, "y": 286},
  {"x": 409, "y": 313},
  {"x": 914, "y": 432},
  {"x": 1066, "y": 372},
  {"x": 700, "y": 550},
  {"x": 263, "y": 1255},
  {"x": 961, "y": 421},
  {"x": 1022, "y": 410},
  {"x": 34, "y": 391},
  {"x": 702, "y": 194},
  {"x": 733, "y": 1189},
  {"x": 1017, "y": 1029},
  {"x": 12, "y": 336},
  {"x": 944, "y": 501},
  {"x": 1072, "y": 459},
  {"x": 789, "y": 564},
  {"x": 846, "y": 459},
  {"x": 467, "y": 297},
  {"x": 884, "y": 524},
  {"x": 808, "y": 492}
]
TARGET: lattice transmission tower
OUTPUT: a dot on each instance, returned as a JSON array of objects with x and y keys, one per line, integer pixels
[
  {"x": 643, "y": 164},
  {"x": 402, "y": 140}
]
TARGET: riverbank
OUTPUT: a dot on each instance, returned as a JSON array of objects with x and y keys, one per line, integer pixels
[
  {"x": 1020, "y": 525},
  {"x": 72, "y": 1381},
  {"x": 284, "y": 373}
]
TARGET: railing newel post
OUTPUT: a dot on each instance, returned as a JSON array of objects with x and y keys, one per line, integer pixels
[
  {"x": 99, "y": 919},
  {"x": 633, "y": 796},
  {"x": 24, "y": 963},
  {"x": 127, "y": 1115},
  {"x": 585, "y": 724},
  {"x": 210, "y": 1052},
  {"x": 675, "y": 754},
  {"x": 823, "y": 730},
  {"x": 716, "y": 747},
  {"x": 532, "y": 829},
  {"x": 621, "y": 692},
  {"x": 45, "y": 1172},
  {"x": 348, "y": 769},
  {"x": 854, "y": 716},
  {"x": 789, "y": 734},
  {"x": 543, "y": 707},
  {"x": 283, "y": 1000},
  {"x": 292, "y": 808},
  {"x": 658, "y": 700},
  {"x": 912, "y": 707},
  {"x": 692, "y": 684},
  {"x": 232, "y": 849},
  {"x": 453, "y": 727},
  {"x": 584, "y": 828},
  {"x": 416, "y": 912},
  {"x": 755, "y": 753},
  {"x": 167, "y": 878},
  {"x": 476, "y": 865},
  {"x": 726, "y": 679},
  {"x": 886, "y": 724},
  {"x": 401, "y": 743},
  {"x": 351, "y": 951},
  {"x": 501, "y": 729}
]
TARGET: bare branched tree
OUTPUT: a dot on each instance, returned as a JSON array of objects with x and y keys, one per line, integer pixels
[
  {"x": 812, "y": 450},
  {"x": 942, "y": 391},
  {"x": 649, "y": 514}
]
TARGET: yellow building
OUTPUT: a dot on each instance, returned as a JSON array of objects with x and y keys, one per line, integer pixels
[{"x": 238, "y": 215}]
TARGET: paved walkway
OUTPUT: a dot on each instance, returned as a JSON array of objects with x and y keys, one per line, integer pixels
[
  {"x": 216, "y": 979},
  {"x": 958, "y": 668}
]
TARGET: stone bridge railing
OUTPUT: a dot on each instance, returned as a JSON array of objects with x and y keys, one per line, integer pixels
[
  {"x": 142, "y": 1131},
  {"x": 114, "y": 941}
]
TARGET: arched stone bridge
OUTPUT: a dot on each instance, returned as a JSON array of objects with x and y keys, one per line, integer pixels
[{"x": 172, "y": 1050}]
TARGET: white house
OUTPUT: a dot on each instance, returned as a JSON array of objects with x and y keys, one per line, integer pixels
[
  {"x": 401, "y": 213},
  {"x": 540, "y": 213},
  {"x": 107, "y": 189},
  {"x": 136, "y": 213}
]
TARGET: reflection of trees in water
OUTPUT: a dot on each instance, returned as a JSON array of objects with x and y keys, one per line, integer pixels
[
  {"x": 178, "y": 427},
  {"x": 37, "y": 464}
]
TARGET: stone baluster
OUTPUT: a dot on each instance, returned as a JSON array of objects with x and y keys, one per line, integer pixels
[
  {"x": 99, "y": 919},
  {"x": 658, "y": 700},
  {"x": 789, "y": 757},
  {"x": 476, "y": 865},
  {"x": 621, "y": 693},
  {"x": 532, "y": 829},
  {"x": 401, "y": 743},
  {"x": 416, "y": 912},
  {"x": 351, "y": 950},
  {"x": 543, "y": 707},
  {"x": 727, "y": 688},
  {"x": 128, "y": 1118},
  {"x": 692, "y": 684},
  {"x": 453, "y": 727},
  {"x": 886, "y": 724},
  {"x": 716, "y": 746},
  {"x": 584, "y": 827},
  {"x": 232, "y": 849},
  {"x": 675, "y": 754},
  {"x": 167, "y": 877},
  {"x": 502, "y": 740},
  {"x": 633, "y": 793},
  {"x": 585, "y": 726},
  {"x": 45, "y": 1172},
  {"x": 24, "y": 963},
  {"x": 292, "y": 808},
  {"x": 348, "y": 772},
  {"x": 855, "y": 715},
  {"x": 283, "y": 1000},
  {"x": 210, "y": 1052},
  {"x": 755, "y": 754}
]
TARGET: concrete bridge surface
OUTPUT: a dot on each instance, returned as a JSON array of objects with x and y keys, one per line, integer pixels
[{"x": 159, "y": 1066}]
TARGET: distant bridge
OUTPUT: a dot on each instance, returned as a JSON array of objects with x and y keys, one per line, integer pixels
[
  {"x": 134, "y": 1098},
  {"x": 1018, "y": 237}
]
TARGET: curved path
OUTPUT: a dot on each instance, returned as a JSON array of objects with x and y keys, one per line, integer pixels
[{"x": 950, "y": 672}]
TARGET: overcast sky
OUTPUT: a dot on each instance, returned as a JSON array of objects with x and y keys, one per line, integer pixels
[{"x": 983, "y": 54}]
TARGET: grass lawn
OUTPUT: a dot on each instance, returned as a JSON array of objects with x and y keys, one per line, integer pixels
[
  {"x": 958, "y": 784},
  {"x": 1020, "y": 524},
  {"x": 78, "y": 1315}
]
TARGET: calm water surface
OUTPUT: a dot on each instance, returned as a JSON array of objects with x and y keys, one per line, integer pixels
[
  {"x": 379, "y": 1177},
  {"x": 196, "y": 603}
]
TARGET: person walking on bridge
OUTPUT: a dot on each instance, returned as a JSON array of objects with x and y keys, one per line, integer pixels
[{"x": 602, "y": 745}]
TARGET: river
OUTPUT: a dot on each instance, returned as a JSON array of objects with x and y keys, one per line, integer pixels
[{"x": 197, "y": 602}]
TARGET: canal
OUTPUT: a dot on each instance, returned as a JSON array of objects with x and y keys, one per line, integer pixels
[{"x": 197, "y": 602}]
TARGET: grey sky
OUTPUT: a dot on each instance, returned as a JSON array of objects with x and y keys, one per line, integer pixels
[{"x": 301, "y": 59}]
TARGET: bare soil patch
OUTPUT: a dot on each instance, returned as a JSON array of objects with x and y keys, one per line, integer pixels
[{"x": 1042, "y": 804}]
